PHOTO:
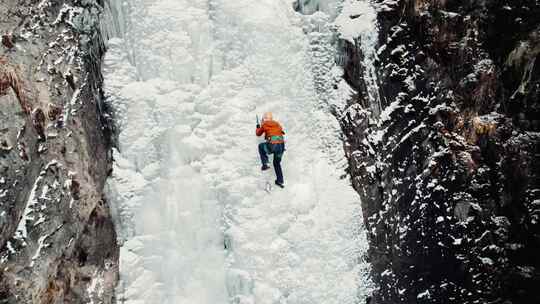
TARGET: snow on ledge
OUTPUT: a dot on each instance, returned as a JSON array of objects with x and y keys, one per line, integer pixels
[{"x": 357, "y": 17}]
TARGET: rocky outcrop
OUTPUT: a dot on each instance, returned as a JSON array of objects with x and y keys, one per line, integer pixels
[
  {"x": 449, "y": 172},
  {"x": 57, "y": 241}
]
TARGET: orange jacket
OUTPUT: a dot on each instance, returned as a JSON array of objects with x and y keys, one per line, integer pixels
[{"x": 271, "y": 128}]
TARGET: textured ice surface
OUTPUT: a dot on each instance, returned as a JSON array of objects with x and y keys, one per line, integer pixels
[
  {"x": 356, "y": 18},
  {"x": 187, "y": 80},
  {"x": 357, "y": 23},
  {"x": 308, "y": 7}
]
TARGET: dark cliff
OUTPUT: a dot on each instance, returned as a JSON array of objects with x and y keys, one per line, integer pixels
[
  {"x": 449, "y": 174},
  {"x": 57, "y": 241}
]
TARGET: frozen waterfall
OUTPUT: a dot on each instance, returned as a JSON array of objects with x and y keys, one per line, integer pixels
[
  {"x": 358, "y": 24},
  {"x": 186, "y": 78}
]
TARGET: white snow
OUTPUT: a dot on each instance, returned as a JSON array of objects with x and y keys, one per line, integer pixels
[
  {"x": 457, "y": 241},
  {"x": 10, "y": 247},
  {"x": 356, "y": 18},
  {"x": 424, "y": 294},
  {"x": 329, "y": 7},
  {"x": 95, "y": 288},
  {"x": 22, "y": 232},
  {"x": 486, "y": 261},
  {"x": 385, "y": 115},
  {"x": 194, "y": 220},
  {"x": 41, "y": 245}
]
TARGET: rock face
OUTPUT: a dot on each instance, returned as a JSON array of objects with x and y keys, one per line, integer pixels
[
  {"x": 57, "y": 241},
  {"x": 449, "y": 172}
]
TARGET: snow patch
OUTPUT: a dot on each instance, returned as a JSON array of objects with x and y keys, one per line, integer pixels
[{"x": 356, "y": 18}]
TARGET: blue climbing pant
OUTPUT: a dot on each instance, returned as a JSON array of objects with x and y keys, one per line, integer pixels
[{"x": 266, "y": 148}]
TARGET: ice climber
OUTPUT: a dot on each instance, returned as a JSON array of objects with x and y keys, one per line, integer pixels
[{"x": 275, "y": 144}]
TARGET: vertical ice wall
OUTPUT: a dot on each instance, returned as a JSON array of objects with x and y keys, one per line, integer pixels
[
  {"x": 186, "y": 80},
  {"x": 357, "y": 23},
  {"x": 169, "y": 224}
]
